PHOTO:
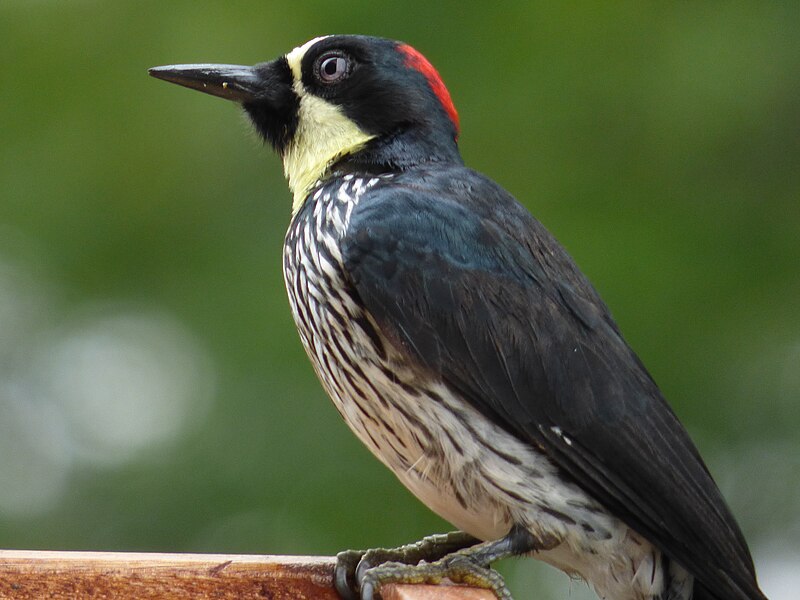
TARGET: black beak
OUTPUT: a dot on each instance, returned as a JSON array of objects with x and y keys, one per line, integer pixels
[
  {"x": 232, "y": 82},
  {"x": 265, "y": 91}
]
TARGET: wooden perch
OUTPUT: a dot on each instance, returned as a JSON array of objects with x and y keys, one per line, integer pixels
[{"x": 38, "y": 575}]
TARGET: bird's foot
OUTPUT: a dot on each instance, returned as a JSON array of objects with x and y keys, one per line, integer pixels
[
  {"x": 456, "y": 556},
  {"x": 458, "y": 567},
  {"x": 351, "y": 565}
]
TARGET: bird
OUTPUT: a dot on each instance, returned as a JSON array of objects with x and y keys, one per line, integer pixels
[{"x": 463, "y": 346}]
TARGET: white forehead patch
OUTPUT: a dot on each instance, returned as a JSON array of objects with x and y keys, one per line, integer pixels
[{"x": 295, "y": 57}]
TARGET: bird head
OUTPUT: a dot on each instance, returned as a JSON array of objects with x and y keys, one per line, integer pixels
[{"x": 339, "y": 101}]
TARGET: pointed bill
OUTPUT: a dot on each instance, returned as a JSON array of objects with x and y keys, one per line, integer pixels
[{"x": 232, "y": 82}]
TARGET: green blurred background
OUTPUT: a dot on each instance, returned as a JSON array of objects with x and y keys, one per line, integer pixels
[{"x": 153, "y": 392}]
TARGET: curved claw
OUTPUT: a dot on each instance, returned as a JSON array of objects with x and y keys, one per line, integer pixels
[
  {"x": 368, "y": 592},
  {"x": 363, "y": 566},
  {"x": 371, "y": 559},
  {"x": 345, "y": 578}
]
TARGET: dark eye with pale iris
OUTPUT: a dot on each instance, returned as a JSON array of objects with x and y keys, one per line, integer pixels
[{"x": 332, "y": 68}]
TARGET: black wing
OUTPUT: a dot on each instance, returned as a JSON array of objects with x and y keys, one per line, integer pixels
[{"x": 478, "y": 292}]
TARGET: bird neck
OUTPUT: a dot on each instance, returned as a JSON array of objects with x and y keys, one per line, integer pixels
[
  {"x": 396, "y": 152},
  {"x": 402, "y": 150}
]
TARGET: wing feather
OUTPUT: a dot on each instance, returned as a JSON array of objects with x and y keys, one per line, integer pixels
[{"x": 480, "y": 294}]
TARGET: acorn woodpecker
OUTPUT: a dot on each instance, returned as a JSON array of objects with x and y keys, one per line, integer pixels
[{"x": 462, "y": 345}]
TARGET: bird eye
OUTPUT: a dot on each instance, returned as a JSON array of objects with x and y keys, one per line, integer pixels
[{"x": 332, "y": 68}]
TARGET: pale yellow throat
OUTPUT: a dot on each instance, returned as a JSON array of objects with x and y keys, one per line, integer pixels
[{"x": 324, "y": 134}]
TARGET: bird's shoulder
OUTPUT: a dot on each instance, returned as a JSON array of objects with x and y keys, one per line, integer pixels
[{"x": 454, "y": 216}]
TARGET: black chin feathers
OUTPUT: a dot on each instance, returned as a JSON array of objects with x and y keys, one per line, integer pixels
[{"x": 275, "y": 116}]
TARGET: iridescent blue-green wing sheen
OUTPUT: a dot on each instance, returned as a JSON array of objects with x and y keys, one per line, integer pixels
[{"x": 477, "y": 292}]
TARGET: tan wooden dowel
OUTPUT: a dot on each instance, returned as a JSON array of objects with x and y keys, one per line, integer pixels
[{"x": 40, "y": 575}]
